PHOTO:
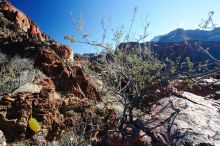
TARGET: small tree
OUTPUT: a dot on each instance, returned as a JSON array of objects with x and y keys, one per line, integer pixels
[
  {"x": 132, "y": 71},
  {"x": 129, "y": 70}
]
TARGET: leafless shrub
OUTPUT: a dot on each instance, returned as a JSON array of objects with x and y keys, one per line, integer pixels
[{"x": 15, "y": 72}]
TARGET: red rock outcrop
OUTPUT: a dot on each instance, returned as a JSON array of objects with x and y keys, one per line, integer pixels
[
  {"x": 31, "y": 30},
  {"x": 54, "y": 115},
  {"x": 16, "y": 113},
  {"x": 47, "y": 83},
  {"x": 66, "y": 78},
  {"x": 76, "y": 107},
  {"x": 63, "y": 51},
  {"x": 50, "y": 57},
  {"x": 22, "y": 21}
]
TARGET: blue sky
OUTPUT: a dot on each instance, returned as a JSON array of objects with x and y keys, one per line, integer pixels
[{"x": 54, "y": 16}]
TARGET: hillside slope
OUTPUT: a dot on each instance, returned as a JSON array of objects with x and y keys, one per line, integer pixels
[{"x": 58, "y": 93}]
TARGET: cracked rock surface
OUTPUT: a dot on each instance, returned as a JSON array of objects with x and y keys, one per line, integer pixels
[{"x": 179, "y": 121}]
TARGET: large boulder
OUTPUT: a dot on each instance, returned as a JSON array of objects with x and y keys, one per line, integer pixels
[{"x": 187, "y": 119}]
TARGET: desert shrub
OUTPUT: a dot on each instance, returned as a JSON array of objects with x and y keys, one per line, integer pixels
[
  {"x": 132, "y": 71},
  {"x": 129, "y": 70},
  {"x": 15, "y": 72},
  {"x": 70, "y": 139}
]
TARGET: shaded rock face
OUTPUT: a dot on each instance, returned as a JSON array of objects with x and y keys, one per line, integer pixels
[
  {"x": 21, "y": 36},
  {"x": 186, "y": 120},
  {"x": 131, "y": 136}
]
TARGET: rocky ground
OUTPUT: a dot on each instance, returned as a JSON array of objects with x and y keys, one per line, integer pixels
[{"x": 67, "y": 102}]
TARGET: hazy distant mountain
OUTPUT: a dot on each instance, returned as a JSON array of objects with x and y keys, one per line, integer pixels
[
  {"x": 179, "y": 35},
  {"x": 173, "y": 50}
]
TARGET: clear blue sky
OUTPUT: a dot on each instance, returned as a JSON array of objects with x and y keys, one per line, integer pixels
[{"x": 53, "y": 16}]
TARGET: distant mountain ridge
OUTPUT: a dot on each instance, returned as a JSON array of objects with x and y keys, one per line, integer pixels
[
  {"x": 172, "y": 50},
  {"x": 180, "y": 35}
]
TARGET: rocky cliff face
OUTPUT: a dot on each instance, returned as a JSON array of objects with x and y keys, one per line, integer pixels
[
  {"x": 19, "y": 35},
  {"x": 63, "y": 88}
]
